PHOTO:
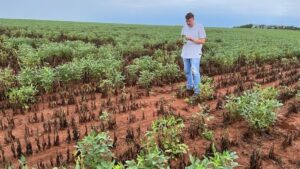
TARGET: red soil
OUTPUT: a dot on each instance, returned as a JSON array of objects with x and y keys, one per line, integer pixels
[{"x": 287, "y": 157}]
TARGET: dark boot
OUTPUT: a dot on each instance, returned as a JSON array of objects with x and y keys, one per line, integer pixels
[{"x": 189, "y": 92}]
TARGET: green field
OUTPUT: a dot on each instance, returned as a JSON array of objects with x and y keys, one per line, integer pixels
[
  {"x": 51, "y": 66},
  {"x": 68, "y": 49}
]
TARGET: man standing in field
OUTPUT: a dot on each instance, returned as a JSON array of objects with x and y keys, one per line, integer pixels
[{"x": 195, "y": 35}]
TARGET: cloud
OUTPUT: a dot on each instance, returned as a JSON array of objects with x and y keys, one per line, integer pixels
[
  {"x": 256, "y": 7},
  {"x": 232, "y": 12},
  {"x": 244, "y": 7}
]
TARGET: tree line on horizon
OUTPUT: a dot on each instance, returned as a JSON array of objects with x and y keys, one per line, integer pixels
[{"x": 262, "y": 26}]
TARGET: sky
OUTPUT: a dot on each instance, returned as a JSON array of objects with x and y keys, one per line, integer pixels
[{"x": 212, "y": 13}]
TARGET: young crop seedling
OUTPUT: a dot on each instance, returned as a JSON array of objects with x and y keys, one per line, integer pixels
[
  {"x": 95, "y": 152},
  {"x": 7, "y": 79},
  {"x": 146, "y": 79},
  {"x": 198, "y": 125},
  {"x": 206, "y": 88},
  {"x": 167, "y": 133},
  {"x": 22, "y": 97},
  {"x": 46, "y": 78},
  {"x": 219, "y": 160},
  {"x": 151, "y": 157}
]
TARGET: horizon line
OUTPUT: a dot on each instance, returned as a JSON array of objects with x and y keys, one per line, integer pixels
[{"x": 138, "y": 24}]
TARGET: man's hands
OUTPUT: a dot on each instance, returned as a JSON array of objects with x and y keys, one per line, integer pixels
[
  {"x": 189, "y": 38},
  {"x": 195, "y": 40},
  {"x": 184, "y": 39}
]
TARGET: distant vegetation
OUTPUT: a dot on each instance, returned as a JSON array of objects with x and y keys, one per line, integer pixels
[{"x": 268, "y": 27}]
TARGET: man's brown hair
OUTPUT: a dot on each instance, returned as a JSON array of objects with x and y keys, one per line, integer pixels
[{"x": 189, "y": 16}]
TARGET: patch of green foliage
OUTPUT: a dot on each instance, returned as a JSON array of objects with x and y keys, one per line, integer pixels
[
  {"x": 256, "y": 106},
  {"x": 224, "y": 160},
  {"x": 95, "y": 152},
  {"x": 22, "y": 97}
]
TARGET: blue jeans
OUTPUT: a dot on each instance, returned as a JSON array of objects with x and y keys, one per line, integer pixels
[{"x": 192, "y": 73}]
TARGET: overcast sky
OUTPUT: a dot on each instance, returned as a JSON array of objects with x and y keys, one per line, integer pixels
[{"x": 218, "y": 13}]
